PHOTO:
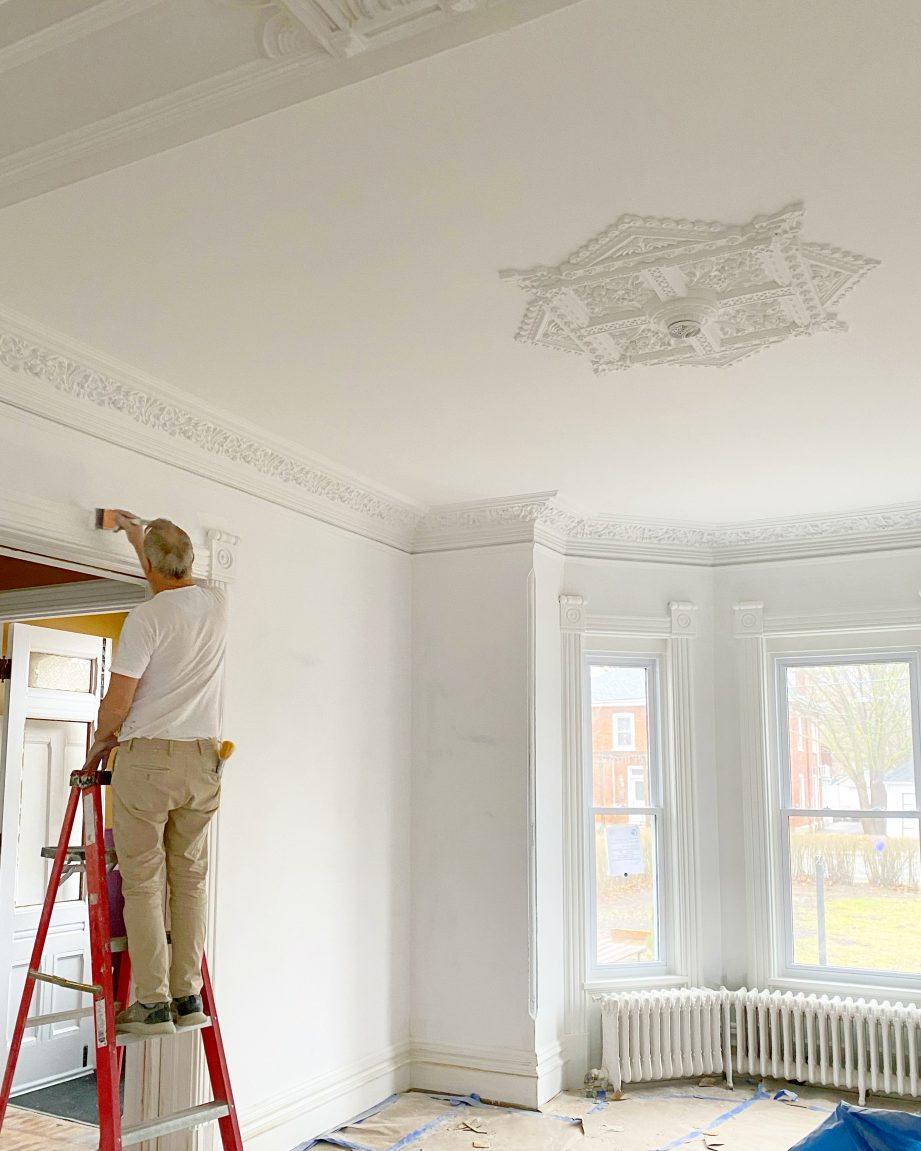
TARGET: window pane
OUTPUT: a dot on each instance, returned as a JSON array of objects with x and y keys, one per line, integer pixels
[
  {"x": 850, "y": 729},
  {"x": 856, "y": 893},
  {"x": 620, "y": 736},
  {"x": 626, "y": 886},
  {"x": 60, "y": 672}
]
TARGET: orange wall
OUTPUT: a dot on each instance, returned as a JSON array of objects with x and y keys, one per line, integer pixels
[{"x": 109, "y": 626}]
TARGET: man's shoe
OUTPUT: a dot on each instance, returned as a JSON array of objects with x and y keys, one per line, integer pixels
[
  {"x": 187, "y": 1012},
  {"x": 146, "y": 1019}
]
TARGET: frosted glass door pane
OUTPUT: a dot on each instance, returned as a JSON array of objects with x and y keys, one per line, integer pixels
[
  {"x": 51, "y": 751},
  {"x": 60, "y": 672}
]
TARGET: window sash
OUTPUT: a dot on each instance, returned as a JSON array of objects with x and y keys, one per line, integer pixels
[
  {"x": 785, "y": 809},
  {"x": 594, "y": 971}
]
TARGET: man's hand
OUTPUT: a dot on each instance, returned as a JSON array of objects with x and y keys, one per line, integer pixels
[
  {"x": 99, "y": 753},
  {"x": 131, "y": 525}
]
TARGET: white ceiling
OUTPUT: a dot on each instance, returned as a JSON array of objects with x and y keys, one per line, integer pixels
[{"x": 330, "y": 271}]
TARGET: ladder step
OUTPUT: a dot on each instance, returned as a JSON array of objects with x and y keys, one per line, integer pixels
[
  {"x": 120, "y": 942},
  {"x": 86, "y": 988},
  {"x": 126, "y": 1038},
  {"x": 77, "y": 855},
  {"x": 180, "y": 1121},
  {"x": 59, "y": 1016}
]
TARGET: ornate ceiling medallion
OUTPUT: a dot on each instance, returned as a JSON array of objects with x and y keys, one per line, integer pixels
[{"x": 651, "y": 291}]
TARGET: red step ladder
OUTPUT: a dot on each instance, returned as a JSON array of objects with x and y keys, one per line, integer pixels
[{"x": 86, "y": 787}]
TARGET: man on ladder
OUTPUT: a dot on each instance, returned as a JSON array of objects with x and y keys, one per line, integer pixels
[{"x": 165, "y": 701}]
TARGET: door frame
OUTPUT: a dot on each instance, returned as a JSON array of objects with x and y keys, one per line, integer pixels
[
  {"x": 62, "y": 535},
  {"x": 23, "y": 705}
]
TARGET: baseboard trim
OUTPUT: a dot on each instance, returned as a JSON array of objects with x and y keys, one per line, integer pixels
[
  {"x": 325, "y": 1101},
  {"x": 499, "y": 1074}
]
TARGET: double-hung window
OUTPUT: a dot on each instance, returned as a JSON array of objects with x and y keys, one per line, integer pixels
[
  {"x": 849, "y": 855},
  {"x": 623, "y": 787}
]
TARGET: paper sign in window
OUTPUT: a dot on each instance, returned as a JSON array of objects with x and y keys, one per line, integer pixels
[{"x": 625, "y": 850}]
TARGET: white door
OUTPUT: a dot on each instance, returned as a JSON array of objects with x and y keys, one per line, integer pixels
[{"x": 55, "y": 685}]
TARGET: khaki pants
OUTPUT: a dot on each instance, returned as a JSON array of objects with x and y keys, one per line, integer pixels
[{"x": 165, "y": 793}]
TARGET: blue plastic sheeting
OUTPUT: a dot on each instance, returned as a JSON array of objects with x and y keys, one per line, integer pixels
[{"x": 864, "y": 1129}]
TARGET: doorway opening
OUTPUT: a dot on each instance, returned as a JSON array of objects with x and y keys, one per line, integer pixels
[{"x": 54, "y": 673}]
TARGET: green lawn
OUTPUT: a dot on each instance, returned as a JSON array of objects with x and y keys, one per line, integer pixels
[{"x": 875, "y": 931}]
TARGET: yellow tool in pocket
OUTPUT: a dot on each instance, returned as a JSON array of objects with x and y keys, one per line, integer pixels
[{"x": 224, "y": 752}]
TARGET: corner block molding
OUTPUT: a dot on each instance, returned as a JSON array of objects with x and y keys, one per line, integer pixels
[
  {"x": 572, "y": 613},
  {"x": 651, "y": 291},
  {"x": 683, "y": 619},
  {"x": 222, "y": 556},
  {"x": 748, "y": 619}
]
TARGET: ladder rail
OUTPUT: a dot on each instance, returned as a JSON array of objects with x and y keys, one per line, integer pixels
[
  {"x": 218, "y": 1072},
  {"x": 38, "y": 947},
  {"x": 107, "y": 1061}
]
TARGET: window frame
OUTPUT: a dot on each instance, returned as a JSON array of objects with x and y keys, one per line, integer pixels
[
  {"x": 654, "y": 663},
  {"x": 823, "y": 651}
]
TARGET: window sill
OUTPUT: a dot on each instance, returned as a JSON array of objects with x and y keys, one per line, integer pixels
[
  {"x": 633, "y": 983},
  {"x": 866, "y": 991}
]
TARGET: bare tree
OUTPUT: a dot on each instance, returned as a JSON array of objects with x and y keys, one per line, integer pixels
[{"x": 862, "y": 715}]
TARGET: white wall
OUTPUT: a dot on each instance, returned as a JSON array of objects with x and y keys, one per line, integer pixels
[
  {"x": 470, "y": 1012},
  {"x": 312, "y": 955}
]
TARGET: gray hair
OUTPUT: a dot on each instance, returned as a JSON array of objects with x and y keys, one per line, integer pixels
[{"x": 168, "y": 549}]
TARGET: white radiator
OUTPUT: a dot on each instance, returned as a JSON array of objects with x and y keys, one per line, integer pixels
[
  {"x": 846, "y": 1043},
  {"x": 647, "y": 1035}
]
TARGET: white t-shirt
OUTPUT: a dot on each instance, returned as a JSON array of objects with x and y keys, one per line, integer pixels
[{"x": 174, "y": 644}]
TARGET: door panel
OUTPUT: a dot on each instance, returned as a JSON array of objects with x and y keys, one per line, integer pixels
[{"x": 54, "y": 690}]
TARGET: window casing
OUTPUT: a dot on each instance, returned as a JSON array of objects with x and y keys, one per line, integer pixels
[
  {"x": 846, "y": 830},
  {"x": 624, "y": 825}
]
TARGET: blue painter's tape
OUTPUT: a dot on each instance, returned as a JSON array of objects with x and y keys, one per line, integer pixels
[
  {"x": 739, "y": 1109},
  {"x": 413, "y": 1136}
]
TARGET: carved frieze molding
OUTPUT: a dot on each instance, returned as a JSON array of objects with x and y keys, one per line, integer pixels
[
  {"x": 75, "y": 386},
  {"x": 542, "y": 519},
  {"x": 53, "y": 377}
]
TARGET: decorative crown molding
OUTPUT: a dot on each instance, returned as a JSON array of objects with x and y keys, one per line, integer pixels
[
  {"x": 651, "y": 291},
  {"x": 49, "y": 376},
  {"x": 540, "y": 518},
  {"x": 75, "y": 386}
]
